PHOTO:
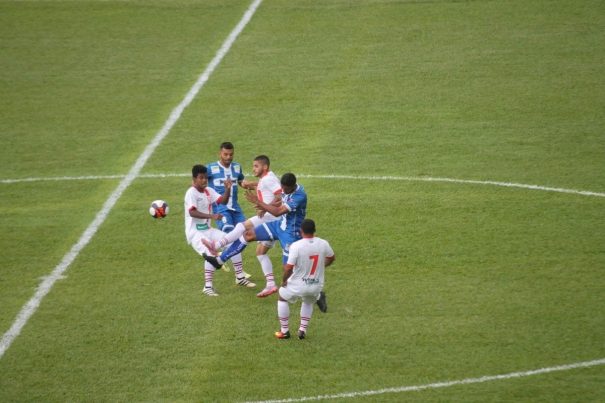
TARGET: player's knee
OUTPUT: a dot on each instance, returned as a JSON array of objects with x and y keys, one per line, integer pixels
[{"x": 249, "y": 236}]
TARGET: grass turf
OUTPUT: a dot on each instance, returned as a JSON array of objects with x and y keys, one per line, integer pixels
[{"x": 433, "y": 281}]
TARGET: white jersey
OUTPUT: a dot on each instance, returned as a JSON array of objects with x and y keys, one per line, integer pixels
[
  {"x": 308, "y": 256},
  {"x": 202, "y": 202},
  {"x": 267, "y": 189}
]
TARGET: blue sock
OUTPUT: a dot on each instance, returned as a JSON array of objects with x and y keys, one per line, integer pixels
[{"x": 235, "y": 248}]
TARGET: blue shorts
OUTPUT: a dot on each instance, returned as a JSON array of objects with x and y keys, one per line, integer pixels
[
  {"x": 230, "y": 220},
  {"x": 272, "y": 231}
]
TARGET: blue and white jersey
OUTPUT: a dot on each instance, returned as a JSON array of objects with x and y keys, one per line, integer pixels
[
  {"x": 217, "y": 174},
  {"x": 296, "y": 202}
]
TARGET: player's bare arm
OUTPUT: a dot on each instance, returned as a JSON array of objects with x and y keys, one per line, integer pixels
[
  {"x": 246, "y": 184},
  {"x": 329, "y": 260},
  {"x": 225, "y": 197},
  {"x": 288, "y": 270},
  {"x": 275, "y": 208},
  {"x": 253, "y": 198},
  {"x": 197, "y": 214}
]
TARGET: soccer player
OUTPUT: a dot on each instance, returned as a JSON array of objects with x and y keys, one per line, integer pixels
[
  {"x": 268, "y": 190},
  {"x": 218, "y": 172},
  {"x": 198, "y": 213},
  {"x": 303, "y": 278},
  {"x": 286, "y": 228}
]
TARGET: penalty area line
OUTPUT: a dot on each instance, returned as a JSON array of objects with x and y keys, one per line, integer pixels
[
  {"x": 445, "y": 384},
  {"x": 48, "y": 282}
]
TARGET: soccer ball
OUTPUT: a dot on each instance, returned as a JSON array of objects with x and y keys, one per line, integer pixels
[{"x": 159, "y": 209}]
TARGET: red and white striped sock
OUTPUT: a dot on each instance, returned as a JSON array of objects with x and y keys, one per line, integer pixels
[
  {"x": 306, "y": 311},
  {"x": 238, "y": 266},
  {"x": 283, "y": 313},
  {"x": 208, "y": 274}
]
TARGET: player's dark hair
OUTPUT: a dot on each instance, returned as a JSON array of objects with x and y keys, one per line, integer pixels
[
  {"x": 263, "y": 159},
  {"x": 198, "y": 169},
  {"x": 308, "y": 226},
  {"x": 227, "y": 145},
  {"x": 288, "y": 179}
]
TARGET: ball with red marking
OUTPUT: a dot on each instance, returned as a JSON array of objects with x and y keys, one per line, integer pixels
[{"x": 159, "y": 209}]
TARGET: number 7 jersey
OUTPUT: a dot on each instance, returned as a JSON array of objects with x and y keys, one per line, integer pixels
[{"x": 308, "y": 256}]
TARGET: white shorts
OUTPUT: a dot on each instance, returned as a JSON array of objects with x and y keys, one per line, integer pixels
[
  {"x": 212, "y": 234},
  {"x": 299, "y": 290}
]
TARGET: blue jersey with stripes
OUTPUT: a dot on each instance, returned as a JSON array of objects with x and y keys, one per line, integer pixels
[
  {"x": 296, "y": 203},
  {"x": 217, "y": 174}
]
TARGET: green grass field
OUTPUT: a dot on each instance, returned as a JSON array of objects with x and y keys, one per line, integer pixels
[{"x": 366, "y": 101}]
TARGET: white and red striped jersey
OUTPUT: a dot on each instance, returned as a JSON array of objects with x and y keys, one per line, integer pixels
[{"x": 202, "y": 202}]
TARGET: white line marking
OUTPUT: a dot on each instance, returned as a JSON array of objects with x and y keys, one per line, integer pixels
[
  {"x": 351, "y": 177},
  {"x": 44, "y": 288},
  {"x": 61, "y": 178},
  {"x": 464, "y": 181},
  {"x": 446, "y": 384}
]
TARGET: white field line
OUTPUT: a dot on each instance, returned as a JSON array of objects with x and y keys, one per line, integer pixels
[
  {"x": 445, "y": 384},
  {"x": 47, "y": 283},
  {"x": 337, "y": 177}
]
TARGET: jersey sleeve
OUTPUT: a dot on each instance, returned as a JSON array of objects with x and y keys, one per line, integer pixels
[
  {"x": 296, "y": 200},
  {"x": 209, "y": 172},
  {"x": 214, "y": 195},
  {"x": 328, "y": 249},
  {"x": 240, "y": 174},
  {"x": 293, "y": 254},
  {"x": 274, "y": 186},
  {"x": 190, "y": 202}
]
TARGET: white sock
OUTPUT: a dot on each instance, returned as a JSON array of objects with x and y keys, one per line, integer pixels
[
  {"x": 283, "y": 313},
  {"x": 232, "y": 236},
  {"x": 208, "y": 274},
  {"x": 306, "y": 311},
  {"x": 267, "y": 266},
  {"x": 238, "y": 266}
]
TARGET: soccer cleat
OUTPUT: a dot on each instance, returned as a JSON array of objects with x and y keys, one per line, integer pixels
[
  {"x": 209, "y": 291},
  {"x": 246, "y": 275},
  {"x": 267, "y": 291},
  {"x": 227, "y": 266},
  {"x": 210, "y": 246},
  {"x": 321, "y": 302},
  {"x": 212, "y": 260},
  {"x": 244, "y": 282},
  {"x": 301, "y": 334},
  {"x": 281, "y": 335}
]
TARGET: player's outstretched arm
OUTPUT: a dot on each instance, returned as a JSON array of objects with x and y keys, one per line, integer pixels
[
  {"x": 276, "y": 208},
  {"x": 248, "y": 185}
]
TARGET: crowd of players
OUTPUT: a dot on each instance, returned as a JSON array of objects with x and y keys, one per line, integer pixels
[{"x": 280, "y": 205}]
